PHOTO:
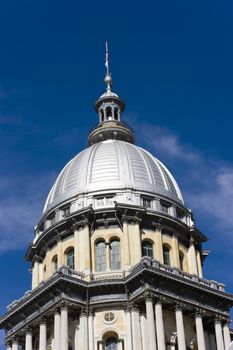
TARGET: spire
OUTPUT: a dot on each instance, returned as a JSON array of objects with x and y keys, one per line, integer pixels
[
  {"x": 109, "y": 108},
  {"x": 108, "y": 78}
]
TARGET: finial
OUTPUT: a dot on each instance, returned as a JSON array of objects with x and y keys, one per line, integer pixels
[{"x": 108, "y": 78}]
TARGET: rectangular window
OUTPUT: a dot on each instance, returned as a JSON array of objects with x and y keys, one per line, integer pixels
[
  {"x": 164, "y": 207},
  {"x": 107, "y": 201},
  {"x": 179, "y": 214},
  {"x": 51, "y": 220},
  {"x": 65, "y": 211},
  {"x": 147, "y": 202}
]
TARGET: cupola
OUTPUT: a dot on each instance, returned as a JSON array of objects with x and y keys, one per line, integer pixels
[{"x": 109, "y": 108}]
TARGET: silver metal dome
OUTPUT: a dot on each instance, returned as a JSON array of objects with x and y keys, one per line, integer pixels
[{"x": 113, "y": 165}]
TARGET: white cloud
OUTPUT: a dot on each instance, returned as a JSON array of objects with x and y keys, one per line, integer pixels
[
  {"x": 207, "y": 182},
  {"x": 20, "y": 210},
  {"x": 216, "y": 199},
  {"x": 164, "y": 140}
]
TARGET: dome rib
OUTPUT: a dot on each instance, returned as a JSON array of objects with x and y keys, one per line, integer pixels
[{"x": 113, "y": 165}]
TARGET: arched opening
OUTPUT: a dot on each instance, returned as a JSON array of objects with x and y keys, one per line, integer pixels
[
  {"x": 115, "y": 113},
  {"x": 109, "y": 113},
  {"x": 101, "y": 115},
  {"x": 147, "y": 249},
  {"x": 115, "y": 255},
  {"x": 54, "y": 263},
  {"x": 70, "y": 257},
  {"x": 181, "y": 258},
  {"x": 100, "y": 256},
  {"x": 166, "y": 255},
  {"x": 111, "y": 343}
]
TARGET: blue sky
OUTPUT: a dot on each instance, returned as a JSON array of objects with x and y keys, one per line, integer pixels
[{"x": 171, "y": 62}]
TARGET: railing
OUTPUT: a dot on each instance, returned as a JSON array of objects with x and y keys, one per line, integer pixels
[
  {"x": 64, "y": 270},
  {"x": 113, "y": 121},
  {"x": 147, "y": 261}
]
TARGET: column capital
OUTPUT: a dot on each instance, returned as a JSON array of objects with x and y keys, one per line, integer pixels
[
  {"x": 91, "y": 312},
  {"x": 84, "y": 311},
  {"x": 226, "y": 320},
  {"x": 127, "y": 308},
  {"x": 148, "y": 296},
  {"x": 15, "y": 340},
  {"x": 199, "y": 313},
  {"x": 28, "y": 330},
  {"x": 43, "y": 321},
  {"x": 64, "y": 305},
  {"x": 179, "y": 306},
  {"x": 134, "y": 307},
  {"x": 218, "y": 318},
  {"x": 157, "y": 226},
  {"x": 56, "y": 309},
  {"x": 159, "y": 299}
]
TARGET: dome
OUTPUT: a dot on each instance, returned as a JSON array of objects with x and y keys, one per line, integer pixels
[{"x": 111, "y": 166}]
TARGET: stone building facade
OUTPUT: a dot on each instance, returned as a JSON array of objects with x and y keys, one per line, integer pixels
[{"x": 117, "y": 258}]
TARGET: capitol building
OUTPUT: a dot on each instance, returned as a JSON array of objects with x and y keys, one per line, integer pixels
[{"x": 117, "y": 257}]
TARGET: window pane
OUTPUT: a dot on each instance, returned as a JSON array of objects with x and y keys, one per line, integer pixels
[
  {"x": 100, "y": 252},
  {"x": 166, "y": 256},
  {"x": 147, "y": 249},
  {"x": 70, "y": 259},
  {"x": 115, "y": 256},
  {"x": 111, "y": 344}
]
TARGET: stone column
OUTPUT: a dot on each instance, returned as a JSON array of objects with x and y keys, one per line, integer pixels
[
  {"x": 150, "y": 323},
  {"x": 28, "y": 339},
  {"x": 135, "y": 241},
  {"x": 175, "y": 252},
  {"x": 218, "y": 334},
  {"x": 180, "y": 327},
  {"x": 199, "y": 264},
  {"x": 57, "y": 329},
  {"x": 128, "y": 329},
  {"x": 159, "y": 326},
  {"x": 35, "y": 273},
  {"x": 83, "y": 333},
  {"x": 136, "y": 332},
  {"x": 41, "y": 272},
  {"x": 43, "y": 335},
  {"x": 125, "y": 239},
  {"x": 64, "y": 328},
  {"x": 143, "y": 323},
  {"x": 15, "y": 344},
  {"x": 192, "y": 260},
  {"x": 226, "y": 334},
  {"x": 119, "y": 345},
  {"x": 200, "y": 331},
  {"x": 83, "y": 250},
  {"x": 107, "y": 250},
  {"x": 158, "y": 243},
  {"x": 91, "y": 329}
]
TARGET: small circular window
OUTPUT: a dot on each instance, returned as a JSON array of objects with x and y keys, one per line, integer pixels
[{"x": 109, "y": 317}]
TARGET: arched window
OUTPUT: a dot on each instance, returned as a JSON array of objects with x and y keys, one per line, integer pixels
[
  {"x": 115, "y": 255},
  {"x": 181, "y": 258},
  {"x": 115, "y": 113},
  {"x": 111, "y": 344},
  {"x": 100, "y": 254},
  {"x": 102, "y": 115},
  {"x": 70, "y": 258},
  {"x": 54, "y": 263},
  {"x": 147, "y": 249},
  {"x": 166, "y": 255},
  {"x": 109, "y": 113}
]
